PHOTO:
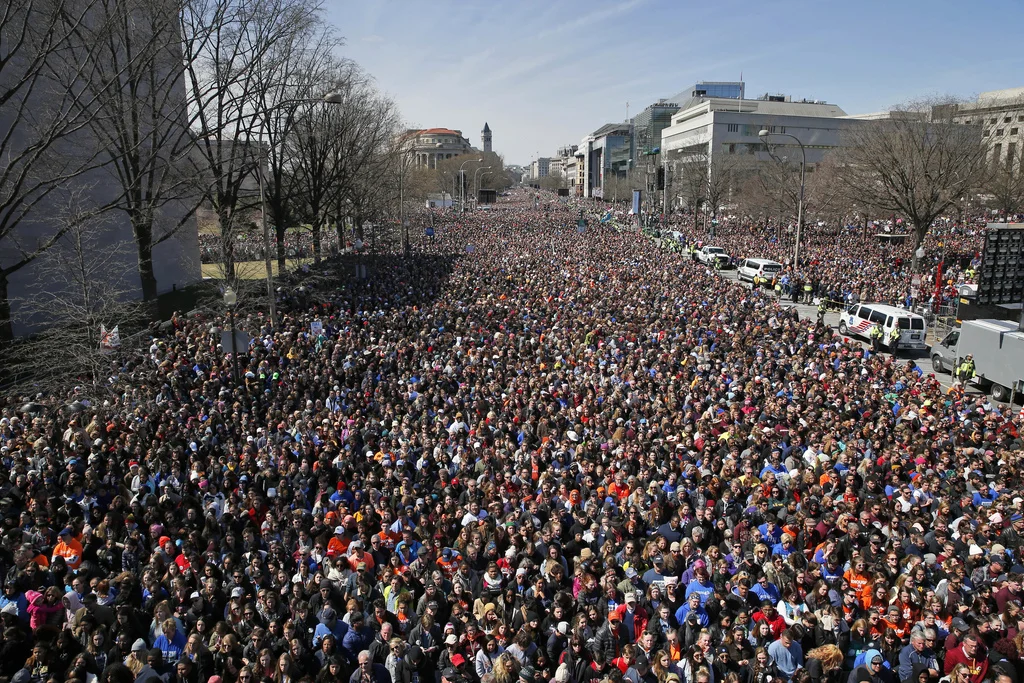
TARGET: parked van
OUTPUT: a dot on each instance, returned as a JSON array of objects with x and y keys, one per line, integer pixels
[
  {"x": 759, "y": 267},
  {"x": 858, "y": 320}
]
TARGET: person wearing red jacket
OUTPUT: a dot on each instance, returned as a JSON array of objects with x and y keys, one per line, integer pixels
[
  {"x": 634, "y": 618},
  {"x": 970, "y": 654},
  {"x": 769, "y": 614}
]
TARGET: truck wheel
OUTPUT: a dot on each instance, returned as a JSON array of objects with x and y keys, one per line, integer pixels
[
  {"x": 937, "y": 365},
  {"x": 1000, "y": 393},
  {"x": 843, "y": 329}
]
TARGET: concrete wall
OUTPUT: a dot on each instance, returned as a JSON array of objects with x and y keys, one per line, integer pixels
[{"x": 176, "y": 262}]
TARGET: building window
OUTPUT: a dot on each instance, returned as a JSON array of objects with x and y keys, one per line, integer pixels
[
  {"x": 732, "y": 148},
  {"x": 1013, "y": 131},
  {"x": 967, "y": 121},
  {"x": 985, "y": 134},
  {"x": 1011, "y": 150},
  {"x": 1007, "y": 119},
  {"x": 997, "y": 151},
  {"x": 733, "y": 128},
  {"x": 992, "y": 120},
  {"x": 999, "y": 131},
  {"x": 782, "y": 129}
]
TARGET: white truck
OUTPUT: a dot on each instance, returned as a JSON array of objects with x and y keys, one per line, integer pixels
[
  {"x": 708, "y": 256},
  {"x": 997, "y": 347}
]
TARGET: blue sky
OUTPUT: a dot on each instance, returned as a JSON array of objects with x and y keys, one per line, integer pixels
[{"x": 545, "y": 73}]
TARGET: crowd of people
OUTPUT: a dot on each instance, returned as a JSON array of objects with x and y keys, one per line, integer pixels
[
  {"x": 248, "y": 246},
  {"x": 851, "y": 263},
  {"x": 527, "y": 453}
]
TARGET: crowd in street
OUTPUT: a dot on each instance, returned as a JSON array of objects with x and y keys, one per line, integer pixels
[
  {"x": 528, "y": 453},
  {"x": 854, "y": 262}
]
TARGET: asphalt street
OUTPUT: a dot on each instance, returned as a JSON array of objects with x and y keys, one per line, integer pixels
[{"x": 810, "y": 311}]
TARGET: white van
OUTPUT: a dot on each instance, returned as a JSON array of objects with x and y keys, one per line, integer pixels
[
  {"x": 760, "y": 267},
  {"x": 858, "y": 319}
]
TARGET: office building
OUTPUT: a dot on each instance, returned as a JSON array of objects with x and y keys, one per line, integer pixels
[
  {"x": 1000, "y": 114},
  {"x": 607, "y": 151},
  {"x": 730, "y": 127}
]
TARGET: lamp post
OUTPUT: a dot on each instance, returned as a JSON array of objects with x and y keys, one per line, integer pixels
[
  {"x": 764, "y": 134},
  {"x": 230, "y": 299},
  {"x": 462, "y": 186},
  {"x": 333, "y": 97},
  {"x": 404, "y": 154},
  {"x": 476, "y": 189}
]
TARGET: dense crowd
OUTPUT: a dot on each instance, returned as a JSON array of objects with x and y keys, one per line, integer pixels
[
  {"x": 852, "y": 263},
  {"x": 525, "y": 454},
  {"x": 248, "y": 246}
]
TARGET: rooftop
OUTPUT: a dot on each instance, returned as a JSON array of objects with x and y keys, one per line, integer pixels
[{"x": 440, "y": 131}]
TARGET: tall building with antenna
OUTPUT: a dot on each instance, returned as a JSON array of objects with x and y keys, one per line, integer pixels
[{"x": 485, "y": 137}]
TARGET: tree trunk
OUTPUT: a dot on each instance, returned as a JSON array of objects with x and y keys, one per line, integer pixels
[
  {"x": 316, "y": 241},
  {"x": 279, "y": 229},
  {"x": 227, "y": 244},
  {"x": 144, "y": 245},
  {"x": 6, "y": 324},
  {"x": 919, "y": 235}
]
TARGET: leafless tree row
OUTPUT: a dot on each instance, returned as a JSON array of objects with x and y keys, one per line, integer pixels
[{"x": 165, "y": 108}]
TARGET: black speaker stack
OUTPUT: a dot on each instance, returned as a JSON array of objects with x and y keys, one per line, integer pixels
[{"x": 1001, "y": 275}]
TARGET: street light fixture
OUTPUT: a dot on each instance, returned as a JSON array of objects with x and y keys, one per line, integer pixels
[
  {"x": 763, "y": 134},
  {"x": 462, "y": 185},
  {"x": 476, "y": 190},
  {"x": 333, "y": 97}
]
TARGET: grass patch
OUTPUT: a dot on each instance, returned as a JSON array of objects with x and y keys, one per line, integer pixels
[{"x": 250, "y": 270}]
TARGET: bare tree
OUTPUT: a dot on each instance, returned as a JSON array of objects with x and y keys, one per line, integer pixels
[
  {"x": 42, "y": 100},
  {"x": 138, "y": 117},
  {"x": 1003, "y": 180},
  {"x": 293, "y": 80},
  {"x": 82, "y": 288},
  {"x": 910, "y": 164},
  {"x": 225, "y": 43},
  {"x": 340, "y": 153}
]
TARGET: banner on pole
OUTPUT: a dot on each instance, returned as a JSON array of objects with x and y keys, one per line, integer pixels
[
  {"x": 109, "y": 341},
  {"x": 636, "y": 202}
]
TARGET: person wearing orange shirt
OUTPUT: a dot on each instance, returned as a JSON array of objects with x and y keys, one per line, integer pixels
[
  {"x": 338, "y": 545},
  {"x": 68, "y": 548},
  {"x": 358, "y": 556},
  {"x": 857, "y": 575}
]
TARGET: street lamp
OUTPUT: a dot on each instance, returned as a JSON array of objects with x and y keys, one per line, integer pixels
[
  {"x": 230, "y": 299},
  {"x": 333, "y": 97},
  {"x": 763, "y": 134},
  {"x": 462, "y": 185},
  {"x": 476, "y": 190}
]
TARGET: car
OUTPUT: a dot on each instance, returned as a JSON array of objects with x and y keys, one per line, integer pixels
[
  {"x": 749, "y": 268},
  {"x": 709, "y": 255}
]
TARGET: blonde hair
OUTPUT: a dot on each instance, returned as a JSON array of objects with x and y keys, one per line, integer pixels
[{"x": 830, "y": 656}]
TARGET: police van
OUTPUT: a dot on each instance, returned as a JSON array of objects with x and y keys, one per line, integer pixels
[
  {"x": 750, "y": 268},
  {"x": 858, "y": 319}
]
